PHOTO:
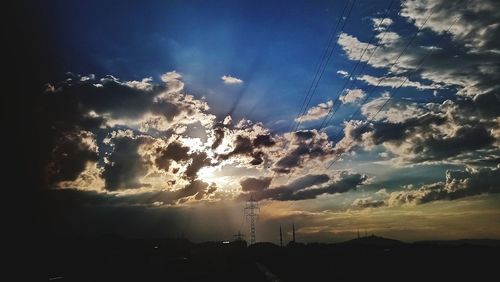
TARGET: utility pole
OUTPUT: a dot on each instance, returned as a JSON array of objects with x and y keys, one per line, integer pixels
[
  {"x": 293, "y": 232},
  {"x": 281, "y": 238},
  {"x": 251, "y": 212}
]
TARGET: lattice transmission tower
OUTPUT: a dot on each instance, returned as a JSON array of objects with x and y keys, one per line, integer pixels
[{"x": 251, "y": 212}]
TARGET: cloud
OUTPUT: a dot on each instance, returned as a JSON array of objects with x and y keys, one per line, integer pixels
[
  {"x": 394, "y": 82},
  {"x": 352, "y": 95},
  {"x": 343, "y": 73},
  {"x": 304, "y": 146},
  {"x": 145, "y": 84},
  {"x": 70, "y": 156},
  {"x": 478, "y": 25},
  {"x": 451, "y": 131},
  {"x": 435, "y": 133},
  {"x": 255, "y": 184},
  {"x": 458, "y": 184},
  {"x": 393, "y": 112},
  {"x": 173, "y": 81},
  {"x": 198, "y": 160},
  {"x": 387, "y": 38},
  {"x": 368, "y": 202},
  {"x": 381, "y": 24},
  {"x": 124, "y": 166},
  {"x": 80, "y": 108},
  {"x": 263, "y": 140},
  {"x": 317, "y": 112},
  {"x": 308, "y": 187},
  {"x": 231, "y": 80},
  {"x": 473, "y": 70},
  {"x": 175, "y": 151}
]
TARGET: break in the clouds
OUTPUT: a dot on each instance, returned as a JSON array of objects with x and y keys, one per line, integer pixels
[{"x": 231, "y": 79}]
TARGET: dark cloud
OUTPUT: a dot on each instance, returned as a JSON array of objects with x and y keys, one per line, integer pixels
[
  {"x": 255, "y": 184},
  {"x": 303, "y": 188},
  {"x": 198, "y": 160},
  {"x": 466, "y": 138},
  {"x": 304, "y": 135},
  {"x": 486, "y": 105},
  {"x": 245, "y": 146},
  {"x": 69, "y": 158},
  {"x": 61, "y": 125},
  {"x": 166, "y": 109},
  {"x": 386, "y": 131},
  {"x": 109, "y": 96},
  {"x": 432, "y": 132},
  {"x": 364, "y": 203},
  {"x": 174, "y": 151},
  {"x": 346, "y": 183},
  {"x": 458, "y": 184},
  {"x": 428, "y": 143},
  {"x": 219, "y": 134},
  {"x": 196, "y": 130},
  {"x": 125, "y": 165},
  {"x": 258, "y": 158},
  {"x": 263, "y": 140},
  {"x": 307, "y": 145},
  {"x": 192, "y": 189},
  {"x": 209, "y": 190}
]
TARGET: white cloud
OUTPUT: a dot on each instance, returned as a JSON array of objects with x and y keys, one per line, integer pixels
[
  {"x": 478, "y": 24},
  {"x": 477, "y": 31},
  {"x": 381, "y": 24},
  {"x": 316, "y": 112},
  {"x": 388, "y": 37},
  {"x": 173, "y": 81},
  {"x": 394, "y": 82},
  {"x": 231, "y": 79},
  {"x": 343, "y": 73},
  {"x": 392, "y": 112},
  {"x": 352, "y": 95},
  {"x": 89, "y": 77},
  {"x": 144, "y": 84}
]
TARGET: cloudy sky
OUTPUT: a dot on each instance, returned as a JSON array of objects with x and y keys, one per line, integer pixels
[{"x": 162, "y": 118}]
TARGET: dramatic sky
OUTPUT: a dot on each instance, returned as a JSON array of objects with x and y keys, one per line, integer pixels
[{"x": 161, "y": 118}]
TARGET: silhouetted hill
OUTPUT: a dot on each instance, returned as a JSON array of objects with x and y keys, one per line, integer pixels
[{"x": 375, "y": 241}]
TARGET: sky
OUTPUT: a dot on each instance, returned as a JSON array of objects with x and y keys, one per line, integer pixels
[{"x": 162, "y": 118}]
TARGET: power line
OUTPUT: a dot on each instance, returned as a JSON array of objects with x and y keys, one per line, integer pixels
[
  {"x": 419, "y": 65},
  {"x": 393, "y": 64},
  {"x": 319, "y": 71},
  {"x": 358, "y": 62},
  {"x": 319, "y": 65},
  {"x": 316, "y": 83}
]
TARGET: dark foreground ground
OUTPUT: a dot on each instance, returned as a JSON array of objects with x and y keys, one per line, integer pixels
[{"x": 369, "y": 259}]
